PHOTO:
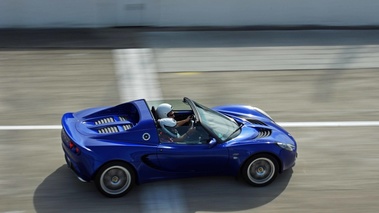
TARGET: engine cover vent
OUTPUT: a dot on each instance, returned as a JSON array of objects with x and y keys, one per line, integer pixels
[
  {"x": 109, "y": 129},
  {"x": 105, "y": 120},
  {"x": 122, "y": 118},
  {"x": 126, "y": 126}
]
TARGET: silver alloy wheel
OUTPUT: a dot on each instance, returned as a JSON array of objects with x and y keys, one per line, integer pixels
[
  {"x": 115, "y": 180},
  {"x": 261, "y": 170}
]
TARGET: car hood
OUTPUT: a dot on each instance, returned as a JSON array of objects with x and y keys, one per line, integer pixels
[
  {"x": 243, "y": 111},
  {"x": 258, "y": 125}
]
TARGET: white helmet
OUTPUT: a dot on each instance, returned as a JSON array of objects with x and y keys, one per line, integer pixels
[
  {"x": 168, "y": 126},
  {"x": 163, "y": 109}
]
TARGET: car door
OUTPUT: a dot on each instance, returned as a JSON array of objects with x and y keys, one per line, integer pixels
[{"x": 188, "y": 156}]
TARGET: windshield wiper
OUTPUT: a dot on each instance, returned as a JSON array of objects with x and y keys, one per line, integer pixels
[{"x": 230, "y": 136}]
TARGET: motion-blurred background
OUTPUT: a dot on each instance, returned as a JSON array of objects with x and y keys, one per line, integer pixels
[{"x": 301, "y": 61}]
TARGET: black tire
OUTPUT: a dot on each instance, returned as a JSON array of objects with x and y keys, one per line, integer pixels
[
  {"x": 115, "y": 179},
  {"x": 260, "y": 170}
]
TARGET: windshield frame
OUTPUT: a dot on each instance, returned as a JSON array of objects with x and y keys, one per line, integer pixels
[{"x": 220, "y": 126}]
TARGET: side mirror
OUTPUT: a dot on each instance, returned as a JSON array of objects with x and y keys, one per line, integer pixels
[{"x": 212, "y": 143}]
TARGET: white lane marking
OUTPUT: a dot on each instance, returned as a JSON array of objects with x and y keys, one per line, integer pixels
[
  {"x": 283, "y": 124},
  {"x": 329, "y": 124},
  {"x": 136, "y": 74},
  {"x": 31, "y": 127}
]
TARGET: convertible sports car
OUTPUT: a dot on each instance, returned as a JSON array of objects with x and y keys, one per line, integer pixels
[{"x": 120, "y": 146}]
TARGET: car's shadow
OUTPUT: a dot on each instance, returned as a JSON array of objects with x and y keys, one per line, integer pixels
[{"x": 62, "y": 192}]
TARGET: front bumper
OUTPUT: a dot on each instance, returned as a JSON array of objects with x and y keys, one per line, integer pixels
[{"x": 288, "y": 159}]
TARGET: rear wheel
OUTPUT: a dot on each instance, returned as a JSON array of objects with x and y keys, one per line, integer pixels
[
  {"x": 115, "y": 179},
  {"x": 260, "y": 170}
]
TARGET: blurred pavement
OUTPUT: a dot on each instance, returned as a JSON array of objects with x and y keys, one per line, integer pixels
[
  {"x": 177, "y": 50},
  {"x": 44, "y": 73}
]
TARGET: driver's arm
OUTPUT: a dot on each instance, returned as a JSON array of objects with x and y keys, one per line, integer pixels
[{"x": 182, "y": 122}]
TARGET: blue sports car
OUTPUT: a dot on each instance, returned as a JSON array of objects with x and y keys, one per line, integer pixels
[{"x": 120, "y": 146}]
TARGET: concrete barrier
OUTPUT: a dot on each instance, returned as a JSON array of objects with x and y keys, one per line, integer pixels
[{"x": 163, "y": 13}]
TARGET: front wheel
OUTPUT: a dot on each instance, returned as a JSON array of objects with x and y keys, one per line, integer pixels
[
  {"x": 260, "y": 170},
  {"x": 115, "y": 179}
]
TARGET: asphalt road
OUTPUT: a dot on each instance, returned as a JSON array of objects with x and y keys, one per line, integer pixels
[{"x": 337, "y": 169}]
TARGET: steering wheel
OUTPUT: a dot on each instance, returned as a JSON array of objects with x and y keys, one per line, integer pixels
[{"x": 193, "y": 121}]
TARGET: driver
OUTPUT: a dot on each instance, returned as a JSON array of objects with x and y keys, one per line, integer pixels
[
  {"x": 170, "y": 133},
  {"x": 165, "y": 110}
]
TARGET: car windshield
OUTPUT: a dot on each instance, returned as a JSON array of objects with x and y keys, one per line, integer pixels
[{"x": 219, "y": 124}]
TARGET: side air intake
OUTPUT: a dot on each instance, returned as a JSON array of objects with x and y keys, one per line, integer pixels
[
  {"x": 263, "y": 132},
  {"x": 256, "y": 122}
]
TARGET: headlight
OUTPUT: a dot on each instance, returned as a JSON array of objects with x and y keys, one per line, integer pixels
[{"x": 286, "y": 146}]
